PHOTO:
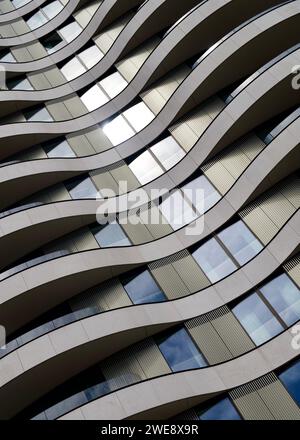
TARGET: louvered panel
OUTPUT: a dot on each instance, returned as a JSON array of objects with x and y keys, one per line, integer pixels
[
  {"x": 209, "y": 342},
  {"x": 248, "y": 401},
  {"x": 170, "y": 282},
  {"x": 213, "y": 106},
  {"x": 58, "y": 110},
  {"x": 97, "y": 139},
  {"x": 57, "y": 193},
  {"x": 7, "y": 30},
  {"x": 188, "y": 415},
  {"x": 80, "y": 145},
  {"x": 106, "y": 39},
  {"x": 278, "y": 209},
  {"x": 20, "y": 27},
  {"x": 84, "y": 240},
  {"x": 153, "y": 99},
  {"x": 151, "y": 359},
  {"x": 21, "y": 54},
  {"x": 251, "y": 145},
  {"x": 232, "y": 333},
  {"x": 153, "y": 220},
  {"x": 184, "y": 135},
  {"x": 258, "y": 222},
  {"x": 293, "y": 269},
  {"x": 36, "y": 50},
  {"x": 219, "y": 176},
  {"x": 64, "y": 243},
  {"x": 39, "y": 81},
  {"x": 104, "y": 180},
  {"x": 75, "y": 106},
  {"x": 6, "y": 6},
  {"x": 279, "y": 401},
  {"x": 122, "y": 369},
  {"x": 107, "y": 296},
  {"x": 292, "y": 192},
  {"x": 138, "y": 233},
  {"x": 235, "y": 162},
  {"x": 199, "y": 121},
  {"x": 129, "y": 66},
  {"x": 124, "y": 173},
  {"x": 32, "y": 154},
  {"x": 191, "y": 274},
  {"x": 54, "y": 76}
]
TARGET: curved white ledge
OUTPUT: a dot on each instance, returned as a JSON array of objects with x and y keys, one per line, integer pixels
[
  {"x": 85, "y": 342},
  {"x": 166, "y": 396}
]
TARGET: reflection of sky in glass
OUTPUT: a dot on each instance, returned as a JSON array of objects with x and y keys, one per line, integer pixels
[
  {"x": 117, "y": 130},
  {"x": 240, "y": 241},
  {"x": 72, "y": 69},
  {"x": 291, "y": 380},
  {"x": 94, "y": 98},
  {"x": 143, "y": 289},
  {"x": 145, "y": 168},
  {"x": 223, "y": 410},
  {"x": 113, "y": 84},
  {"x": 139, "y": 116},
  {"x": 168, "y": 152},
  {"x": 213, "y": 260},
  {"x": 180, "y": 352},
  {"x": 210, "y": 195},
  {"x": 177, "y": 210},
  {"x": 284, "y": 296},
  {"x": 59, "y": 149},
  {"x": 83, "y": 189},
  {"x": 111, "y": 235},
  {"x": 257, "y": 319}
]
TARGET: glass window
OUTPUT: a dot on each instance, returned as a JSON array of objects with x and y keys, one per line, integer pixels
[
  {"x": 52, "y": 42},
  {"x": 36, "y": 20},
  {"x": 118, "y": 130},
  {"x": 143, "y": 289},
  {"x": 19, "y": 84},
  {"x": 223, "y": 410},
  {"x": 202, "y": 200},
  {"x": 82, "y": 188},
  {"x": 94, "y": 98},
  {"x": 291, "y": 380},
  {"x": 240, "y": 241},
  {"x": 168, "y": 152},
  {"x": 177, "y": 211},
  {"x": 72, "y": 69},
  {"x": 58, "y": 148},
  {"x": 38, "y": 114},
  {"x": 19, "y": 3},
  {"x": 145, "y": 168},
  {"x": 284, "y": 297},
  {"x": 52, "y": 9},
  {"x": 110, "y": 235},
  {"x": 139, "y": 116},
  {"x": 113, "y": 84},
  {"x": 6, "y": 56},
  {"x": 70, "y": 31},
  {"x": 91, "y": 56},
  {"x": 180, "y": 351},
  {"x": 257, "y": 319},
  {"x": 214, "y": 261}
]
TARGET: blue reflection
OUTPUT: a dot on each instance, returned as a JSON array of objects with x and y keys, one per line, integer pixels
[
  {"x": 240, "y": 242},
  {"x": 257, "y": 319},
  {"x": 284, "y": 296},
  {"x": 291, "y": 380},
  {"x": 223, "y": 410},
  {"x": 180, "y": 352},
  {"x": 143, "y": 289}
]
